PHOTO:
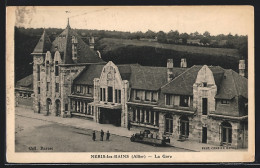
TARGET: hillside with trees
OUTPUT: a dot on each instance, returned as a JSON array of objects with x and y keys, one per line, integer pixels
[{"x": 146, "y": 48}]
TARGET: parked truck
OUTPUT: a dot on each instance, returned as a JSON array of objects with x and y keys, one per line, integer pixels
[{"x": 147, "y": 137}]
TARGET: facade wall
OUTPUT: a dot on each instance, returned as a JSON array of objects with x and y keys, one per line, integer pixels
[
  {"x": 51, "y": 94},
  {"x": 110, "y": 77},
  {"x": 67, "y": 75},
  {"x": 38, "y": 60}
]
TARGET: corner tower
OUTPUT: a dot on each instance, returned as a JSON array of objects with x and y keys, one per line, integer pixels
[{"x": 39, "y": 53}]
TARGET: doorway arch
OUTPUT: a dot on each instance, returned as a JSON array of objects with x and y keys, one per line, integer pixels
[
  {"x": 168, "y": 124},
  {"x": 57, "y": 107},
  {"x": 48, "y": 105},
  {"x": 184, "y": 126},
  {"x": 226, "y": 135}
]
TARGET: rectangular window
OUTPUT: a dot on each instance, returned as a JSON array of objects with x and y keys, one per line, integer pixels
[
  {"x": 204, "y": 106},
  {"x": 116, "y": 97},
  {"x": 89, "y": 89},
  {"x": 205, "y": 84},
  {"x": 154, "y": 97},
  {"x": 169, "y": 99},
  {"x": 81, "y": 89},
  {"x": 48, "y": 86},
  {"x": 119, "y": 96},
  {"x": 66, "y": 107},
  {"x": 224, "y": 102},
  {"x": 138, "y": 94},
  {"x": 29, "y": 94},
  {"x": 104, "y": 94},
  {"x": 39, "y": 90},
  {"x": 147, "y": 96},
  {"x": 101, "y": 94},
  {"x": 38, "y": 73},
  {"x": 21, "y": 94},
  {"x": 47, "y": 70},
  {"x": 57, "y": 87},
  {"x": 184, "y": 101},
  {"x": 78, "y": 88},
  {"x": 133, "y": 114},
  {"x": 110, "y": 94},
  {"x": 56, "y": 68}
]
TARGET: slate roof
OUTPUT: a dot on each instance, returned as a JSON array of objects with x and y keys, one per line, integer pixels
[
  {"x": 25, "y": 82},
  {"x": 150, "y": 78},
  {"x": 43, "y": 44},
  {"x": 232, "y": 85},
  {"x": 64, "y": 46},
  {"x": 139, "y": 77},
  {"x": 86, "y": 77},
  {"x": 229, "y": 83},
  {"x": 183, "y": 84}
]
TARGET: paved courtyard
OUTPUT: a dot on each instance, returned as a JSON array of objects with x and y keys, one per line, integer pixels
[
  {"x": 33, "y": 135},
  {"x": 74, "y": 134}
]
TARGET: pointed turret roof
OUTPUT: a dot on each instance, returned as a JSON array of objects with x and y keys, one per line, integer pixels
[
  {"x": 63, "y": 43},
  {"x": 43, "y": 44}
]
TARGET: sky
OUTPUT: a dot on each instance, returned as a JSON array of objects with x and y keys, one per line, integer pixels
[{"x": 214, "y": 19}]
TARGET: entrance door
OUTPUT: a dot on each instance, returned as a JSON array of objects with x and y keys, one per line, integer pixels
[
  {"x": 110, "y": 94},
  {"x": 204, "y": 106},
  {"x": 226, "y": 133},
  {"x": 58, "y": 111},
  {"x": 48, "y": 106},
  {"x": 109, "y": 116},
  {"x": 204, "y": 134}
]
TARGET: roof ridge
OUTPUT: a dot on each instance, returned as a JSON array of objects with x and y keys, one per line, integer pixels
[{"x": 179, "y": 76}]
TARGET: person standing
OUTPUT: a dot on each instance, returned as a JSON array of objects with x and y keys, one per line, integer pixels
[
  {"x": 108, "y": 135},
  {"x": 94, "y": 136},
  {"x": 101, "y": 135}
]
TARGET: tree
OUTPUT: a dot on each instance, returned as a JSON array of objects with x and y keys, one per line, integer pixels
[
  {"x": 206, "y": 34},
  {"x": 161, "y": 37},
  {"x": 205, "y": 40},
  {"x": 150, "y": 34},
  {"x": 184, "y": 37},
  {"x": 173, "y": 35}
]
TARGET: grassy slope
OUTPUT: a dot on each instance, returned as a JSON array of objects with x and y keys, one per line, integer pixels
[
  {"x": 156, "y": 54},
  {"x": 112, "y": 43}
]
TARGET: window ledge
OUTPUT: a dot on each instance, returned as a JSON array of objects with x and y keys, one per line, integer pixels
[{"x": 144, "y": 125}]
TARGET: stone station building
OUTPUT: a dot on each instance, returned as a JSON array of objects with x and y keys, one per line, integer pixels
[{"x": 206, "y": 104}]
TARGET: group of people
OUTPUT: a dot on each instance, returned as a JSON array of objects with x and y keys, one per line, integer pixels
[{"x": 101, "y": 135}]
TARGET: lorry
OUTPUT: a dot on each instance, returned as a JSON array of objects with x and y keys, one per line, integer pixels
[{"x": 147, "y": 137}]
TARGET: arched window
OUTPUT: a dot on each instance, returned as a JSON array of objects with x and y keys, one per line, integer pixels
[
  {"x": 184, "y": 126},
  {"x": 168, "y": 123},
  {"x": 226, "y": 135}
]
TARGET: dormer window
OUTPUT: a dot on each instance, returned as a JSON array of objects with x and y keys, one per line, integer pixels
[
  {"x": 184, "y": 101},
  {"x": 224, "y": 102}
]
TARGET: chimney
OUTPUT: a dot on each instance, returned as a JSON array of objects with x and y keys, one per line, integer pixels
[
  {"x": 242, "y": 67},
  {"x": 91, "y": 42},
  {"x": 169, "y": 70},
  {"x": 183, "y": 63}
]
